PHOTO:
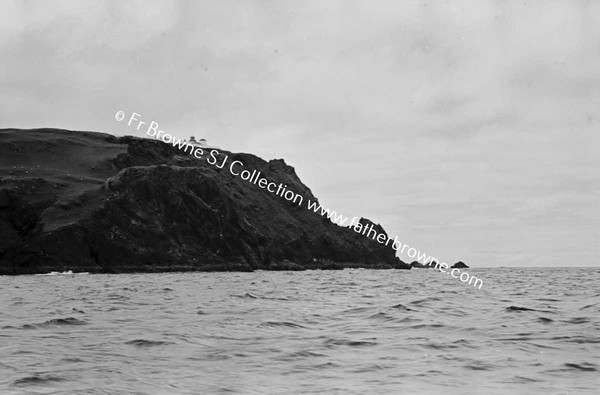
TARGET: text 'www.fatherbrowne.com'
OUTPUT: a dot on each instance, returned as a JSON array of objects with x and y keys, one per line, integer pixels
[{"x": 253, "y": 176}]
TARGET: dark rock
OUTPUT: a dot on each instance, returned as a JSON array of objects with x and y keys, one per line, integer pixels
[
  {"x": 416, "y": 264},
  {"x": 460, "y": 265},
  {"x": 98, "y": 203}
]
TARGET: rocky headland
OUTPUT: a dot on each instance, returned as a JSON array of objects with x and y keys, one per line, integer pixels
[{"x": 93, "y": 202}]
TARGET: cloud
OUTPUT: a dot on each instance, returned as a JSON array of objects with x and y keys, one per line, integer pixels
[{"x": 463, "y": 126}]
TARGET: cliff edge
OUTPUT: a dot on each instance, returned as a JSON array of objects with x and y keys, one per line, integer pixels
[{"x": 93, "y": 202}]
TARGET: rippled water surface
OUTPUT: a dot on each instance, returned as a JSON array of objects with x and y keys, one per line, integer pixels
[{"x": 349, "y": 332}]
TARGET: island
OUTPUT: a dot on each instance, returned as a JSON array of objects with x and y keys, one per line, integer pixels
[{"x": 460, "y": 265}]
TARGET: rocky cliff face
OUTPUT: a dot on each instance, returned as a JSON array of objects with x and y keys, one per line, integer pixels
[{"x": 92, "y": 202}]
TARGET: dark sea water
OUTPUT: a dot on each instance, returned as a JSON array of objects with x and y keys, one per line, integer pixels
[{"x": 527, "y": 331}]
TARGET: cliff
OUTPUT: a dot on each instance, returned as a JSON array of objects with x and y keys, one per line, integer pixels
[{"x": 93, "y": 202}]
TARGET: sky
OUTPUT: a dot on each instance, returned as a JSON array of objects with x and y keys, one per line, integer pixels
[{"x": 469, "y": 129}]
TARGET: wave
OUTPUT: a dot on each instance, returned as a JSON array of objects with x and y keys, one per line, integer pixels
[
  {"x": 517, "y": 308},
  {"x": 431, "y": 326},
  {"x": 419, "y": 302},
  {"x": 281, "y": 323},
  {"x": 36, "y": 380},
  {"x": 67, "y": 273},
  {"x": 545, "y": 320},
  {"x": 300, "y": 355},
  {"x": 578, "y": 320},
  {"x": 69, "y": 321},
  {"x": 577, "y": 339},
  {"x": 351, "y": 343},
  {"x": 249, "y": 295},
  {"x": 358, "y": 309},
  {"x": 585, "y": 366},
  {"x": 147, "y": 343},
  {"x": 402, "y": 307},
  {"x": 383, "y": 317}
]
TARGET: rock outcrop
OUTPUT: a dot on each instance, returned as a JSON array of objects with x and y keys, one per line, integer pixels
[
  {"x": 93, "y": 202},
  {"x": 460, "y": 265},
  {"x": 418, "y": 265}
]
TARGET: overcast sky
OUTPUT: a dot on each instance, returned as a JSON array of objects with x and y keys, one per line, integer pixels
[{"x": 470, "y": 129}]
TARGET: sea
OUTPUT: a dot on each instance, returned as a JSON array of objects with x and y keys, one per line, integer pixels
[{"x": 358, "y": 331}]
